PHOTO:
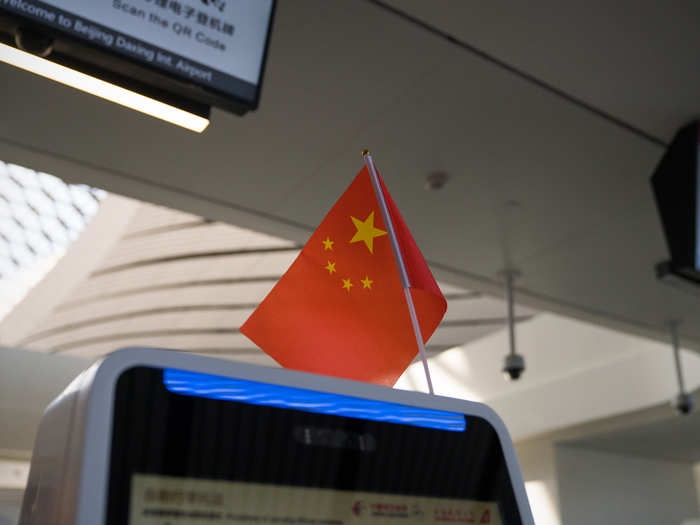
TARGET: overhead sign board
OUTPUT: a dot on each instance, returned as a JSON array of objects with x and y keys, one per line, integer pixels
[{"x": 217, "y": 45}]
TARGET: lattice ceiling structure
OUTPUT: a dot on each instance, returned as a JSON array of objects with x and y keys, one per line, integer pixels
[{"x": 40, "y": 215}]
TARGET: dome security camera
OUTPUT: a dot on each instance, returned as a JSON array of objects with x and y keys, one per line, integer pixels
[
  {"x": 513, "y": 366},
  {"x": 683, "y": 403}
]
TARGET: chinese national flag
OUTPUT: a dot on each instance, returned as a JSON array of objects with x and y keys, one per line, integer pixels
[{"x": 340, "y": 309}]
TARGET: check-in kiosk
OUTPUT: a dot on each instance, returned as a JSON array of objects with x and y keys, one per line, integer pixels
[{"x": 160, "y": 437}]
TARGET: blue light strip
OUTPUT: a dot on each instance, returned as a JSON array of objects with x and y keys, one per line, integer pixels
[{"x": 266, "y": 394}]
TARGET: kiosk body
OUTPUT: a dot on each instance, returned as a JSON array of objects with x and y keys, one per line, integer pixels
[{"x": 151, "y": 436}]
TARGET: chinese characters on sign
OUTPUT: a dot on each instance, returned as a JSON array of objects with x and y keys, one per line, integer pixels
[{"x": 199, "y": 16}]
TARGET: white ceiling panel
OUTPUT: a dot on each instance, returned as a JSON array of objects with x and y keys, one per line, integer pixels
[
  {"x": 199, "y": 238},
  {"x": 483, "y": 307},
  {"x": 191, "y": 342},
  {"x": 220, "y": 267},
  {"x": 153, "y": 218},
  {"x": 452, "y": 335},
  {"x": 209, "y": 320},
  {"x": 188, "y": 296}
]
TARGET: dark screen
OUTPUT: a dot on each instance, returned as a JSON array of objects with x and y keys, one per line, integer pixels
[{"x": 159, "y": 432}]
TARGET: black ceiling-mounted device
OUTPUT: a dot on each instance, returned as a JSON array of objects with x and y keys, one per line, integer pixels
[{"x": 675, "y": 185}]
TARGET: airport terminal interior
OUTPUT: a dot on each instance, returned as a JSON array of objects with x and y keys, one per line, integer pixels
[{"x": 521, "y": 141}]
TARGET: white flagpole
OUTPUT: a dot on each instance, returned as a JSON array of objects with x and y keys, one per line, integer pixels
[{"x": 405, "y": 283}]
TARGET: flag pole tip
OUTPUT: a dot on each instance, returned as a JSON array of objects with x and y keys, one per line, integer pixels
[{"x": 365, "y": 152}]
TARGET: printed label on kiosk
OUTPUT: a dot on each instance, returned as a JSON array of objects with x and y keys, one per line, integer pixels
[{"x": 160, "y": 500}]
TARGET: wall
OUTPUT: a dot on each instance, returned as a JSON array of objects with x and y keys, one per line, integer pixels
[
  {"x": 10, "y": 504},
  {"x": 600, "y": 487},
  {"x": 538, "y": 465},
  {"x": 29, "y": 381}
]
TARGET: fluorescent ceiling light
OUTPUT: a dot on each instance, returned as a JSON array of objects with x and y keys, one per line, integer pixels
[{"x": 100, "y": 88}]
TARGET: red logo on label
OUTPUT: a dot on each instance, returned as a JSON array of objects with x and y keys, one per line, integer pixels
[{"x": 358, "y": 508}]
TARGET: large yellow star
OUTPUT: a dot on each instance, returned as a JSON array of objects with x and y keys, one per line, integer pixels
[
  {"x": 347, "y": 284},
  {"x": 366, "y": 282},
  {"x": 366, "y": 231},
  {"x": 330, "y": 267}
]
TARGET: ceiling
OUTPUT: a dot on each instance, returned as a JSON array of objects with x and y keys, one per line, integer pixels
[{"x": 562, "y": 109}]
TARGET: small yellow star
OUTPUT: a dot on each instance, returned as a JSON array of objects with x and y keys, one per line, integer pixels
[
  {"x": 347, "y": 284},
  {"x": 330, "y": 267},
  {"x": 328, "y": 244},
  {"x": 366, "y": 231},
  {"x": 367, "y": 283}
]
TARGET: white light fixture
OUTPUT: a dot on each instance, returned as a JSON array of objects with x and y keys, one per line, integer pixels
[{"x": 102, "y": 89}]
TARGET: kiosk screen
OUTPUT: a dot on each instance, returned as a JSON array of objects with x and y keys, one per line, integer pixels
[{"x": 197, "y": 449}]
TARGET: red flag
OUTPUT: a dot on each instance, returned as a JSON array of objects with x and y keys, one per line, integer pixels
[{"x": 340, "y": 309}]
